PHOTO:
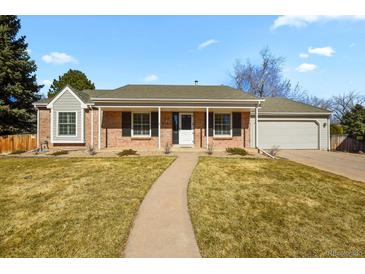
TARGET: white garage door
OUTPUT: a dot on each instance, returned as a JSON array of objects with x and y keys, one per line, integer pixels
[{"x": 288, "y": 134}]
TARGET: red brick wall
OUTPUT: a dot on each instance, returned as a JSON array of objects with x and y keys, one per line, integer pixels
[
  {"x": 246, "y": 128},
  {"x": 166, "y": 128},
  {"x": 234, "y": 141},
  {"x": 111, "y": 135},
  {"x": 44, "y": 125},
  {"x": 87, "y": 115}
]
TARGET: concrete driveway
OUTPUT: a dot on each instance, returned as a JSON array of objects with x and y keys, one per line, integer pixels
[{"x": 342, "y": 163}]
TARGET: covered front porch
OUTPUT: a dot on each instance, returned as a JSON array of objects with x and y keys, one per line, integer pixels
[{"x": 181, "y": 128}]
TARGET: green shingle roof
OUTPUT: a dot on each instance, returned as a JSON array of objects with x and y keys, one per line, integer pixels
[
  {"x": 278, "y": 104},
  {"x": 271, "y": 104},
  {"x": 43, "y": 101},
  {"x": 84, "y": 97},
  {"x": 171, "y": 92}
]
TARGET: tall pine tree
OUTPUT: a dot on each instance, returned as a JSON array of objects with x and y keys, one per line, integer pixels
[
  {"x": 18, "y": 85},
  {"x": 354, "y": 122},
  {"x": 75, "y": 78}
]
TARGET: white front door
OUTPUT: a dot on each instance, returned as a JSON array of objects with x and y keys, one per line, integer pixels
[{"x": 186, "y": 129}]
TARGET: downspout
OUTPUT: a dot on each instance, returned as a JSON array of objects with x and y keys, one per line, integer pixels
[
  {"x": 256, "y": 127},
  {"x": 92, "y": 127},
  {"x": 329, "y": 133},
  {"x": 38, "y": 140},
  {"x": 159, "y": 128},
  {"x": 207, "y": 127},
  {"x": 99, "y": 128}
]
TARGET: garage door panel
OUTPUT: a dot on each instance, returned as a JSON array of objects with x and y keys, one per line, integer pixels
[{"x": 288, "y": 134}]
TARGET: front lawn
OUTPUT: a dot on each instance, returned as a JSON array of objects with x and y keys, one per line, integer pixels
[
  {"x": 79, "y": 207},
  {"x": 275, "y": 208}
]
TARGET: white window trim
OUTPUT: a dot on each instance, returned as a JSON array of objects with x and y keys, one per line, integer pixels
[
  {"x": 230, "y": 130},
  {"x": 58, "y": 124},
  {"x": 132, "y": 130}
]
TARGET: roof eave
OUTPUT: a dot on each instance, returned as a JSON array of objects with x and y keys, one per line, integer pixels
[
  {"x": 294, "y": 113},
  {"x": 36, "y": 104},
  {"x": 96, "y": 99}
]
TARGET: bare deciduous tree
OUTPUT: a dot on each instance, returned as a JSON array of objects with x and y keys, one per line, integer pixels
[
  {"x": 265, "y": 79},
  {"x": 343, "y": 103}
]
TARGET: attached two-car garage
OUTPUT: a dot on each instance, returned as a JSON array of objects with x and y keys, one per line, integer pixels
[
  {"x": 288, "y": 134},
  {"x": 286, "y": 124}
]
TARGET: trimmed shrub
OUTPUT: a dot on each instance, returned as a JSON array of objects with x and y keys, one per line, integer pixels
[
  {"x": 60, "y": 152},
  {"x": 210, "y": 149},
  {"x": 236, "y": 151},
  {"x": 127, "y": 152},
  {"x": 167, "y": 148},
  {"x": 91, "y": 150},
  {"x": 17, "y": 152}
]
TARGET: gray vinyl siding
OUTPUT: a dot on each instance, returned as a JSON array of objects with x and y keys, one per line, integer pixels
[
  {"x": 297, "y": 122},
  {"x": 67, "y": 103}
]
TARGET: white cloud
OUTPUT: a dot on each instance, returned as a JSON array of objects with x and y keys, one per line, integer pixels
[
  {"x": 58, "y": 58},
  {"x": 150, "y": 78},
  {"x": 46, "y": 82},
  {"x": 325, "y": 51},
  {"x": 303, "y": 55},
  {"x": 306, "y": 67},
  {"x": 352, "y": 45},
  {"x": 207, "y": 43},
  {"x": 304, "y": 20}
]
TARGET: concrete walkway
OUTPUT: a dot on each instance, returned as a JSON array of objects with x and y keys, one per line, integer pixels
[{"x": 162, "y": 227}]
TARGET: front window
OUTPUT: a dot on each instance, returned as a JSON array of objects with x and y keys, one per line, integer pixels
[
  {"x": 141, "y": 124},
  {"x": 67, "y": 123},
  {"x": 222, "y": 124}
]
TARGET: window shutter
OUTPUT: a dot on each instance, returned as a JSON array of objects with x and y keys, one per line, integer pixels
[
  {"x": 126, "y": 124},
  {"x": 236, "y": 124},
  {"x": 154, "y": 124},
  {"x": 175, "y": 127},
  {"x": 210, "y": 130}
]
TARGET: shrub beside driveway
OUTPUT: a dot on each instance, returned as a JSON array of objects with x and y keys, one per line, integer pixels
[
  {"x": 275, "y": 208},
  {"x": 79, "y": 207}
]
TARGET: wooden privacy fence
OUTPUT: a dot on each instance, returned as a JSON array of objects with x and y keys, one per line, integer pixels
[
  {"x": 345, "y": 143},
  {"x": 11, "y": 143}
]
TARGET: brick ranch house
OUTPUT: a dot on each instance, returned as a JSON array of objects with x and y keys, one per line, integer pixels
[{"x": 153, "y": 116}]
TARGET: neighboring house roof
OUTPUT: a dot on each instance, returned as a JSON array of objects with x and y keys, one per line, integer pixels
[
  {"x": 171, "y": 92},
  {"x": 279, "y": 104}
]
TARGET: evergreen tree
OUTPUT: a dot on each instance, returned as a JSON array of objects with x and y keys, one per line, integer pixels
[
  {"x": 354, "y": 122},
  {"x": 74, "y": 78},
  {"x": 18, "y": 85}
]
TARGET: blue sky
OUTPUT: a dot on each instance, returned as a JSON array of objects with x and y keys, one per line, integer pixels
[{"x": 324, "y": 54}]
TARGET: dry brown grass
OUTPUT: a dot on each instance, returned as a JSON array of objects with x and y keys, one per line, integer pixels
[
  {"x": 267, "y": 208},
  {"x": 79, "y": 207}
]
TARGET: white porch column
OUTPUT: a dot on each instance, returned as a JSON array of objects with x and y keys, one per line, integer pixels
[
  {"x": 159, "y": 127},
  {"x": 207, "y": 126},
  {"x": 38, "y": 141},
  {"x": 256, "y": 127},
  {"x": 92, "y": 127},
  {"x": 99, "y": 128}
]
